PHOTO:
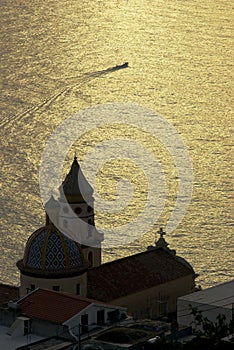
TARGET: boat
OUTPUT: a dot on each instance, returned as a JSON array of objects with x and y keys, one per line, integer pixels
[{"x": 124, "y": 65}]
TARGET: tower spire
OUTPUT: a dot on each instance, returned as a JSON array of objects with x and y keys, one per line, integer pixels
[{"x": 75, "y": 186}]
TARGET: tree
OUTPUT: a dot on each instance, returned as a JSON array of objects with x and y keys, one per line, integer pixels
[{"x": 214, "y": 331}]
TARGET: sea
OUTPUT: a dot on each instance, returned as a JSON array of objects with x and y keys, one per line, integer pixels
[{"x": 172, "y": 106}]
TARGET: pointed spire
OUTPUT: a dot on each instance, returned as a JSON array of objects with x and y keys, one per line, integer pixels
[{"x": 75, "y": 186}]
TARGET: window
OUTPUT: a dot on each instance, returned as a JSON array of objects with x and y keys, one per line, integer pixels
[
  {"x": 89, "y": 209},
  {"x": 65, "y": 223},
  {"x": 100, "y": 317},
  {"x": 26, "y": 327},
  {"x": 84, "y": 323},
  {"x": 57, "y": 288},
  {"x": 78, "y": 210},
  {"x": 114, "y": 315},
  {"x": 90, "y": 258},
  {"x": 90, "y": 221},
  {"x": 31, "y": 288},
  {"x": 162, "y": 305},
  {"x": 78, "y": 289}
]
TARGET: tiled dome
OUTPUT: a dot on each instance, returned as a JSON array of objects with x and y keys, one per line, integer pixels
[{"x": 49, "y": 252}]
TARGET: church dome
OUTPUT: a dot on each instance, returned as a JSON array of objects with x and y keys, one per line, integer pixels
[{"x": 49, "y": 253}]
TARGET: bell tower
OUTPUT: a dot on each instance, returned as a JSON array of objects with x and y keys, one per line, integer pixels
[{"x": 76, "y": 217}]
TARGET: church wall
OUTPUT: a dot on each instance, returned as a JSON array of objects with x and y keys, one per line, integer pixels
[
  {"x": 156, "y": 301},
  {"x": 67, "y": 285}
]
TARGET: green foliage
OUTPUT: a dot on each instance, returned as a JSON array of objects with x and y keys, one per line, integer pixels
[
  {"x": 208, "y": 336},
  {"x": 214, "y": 331}
]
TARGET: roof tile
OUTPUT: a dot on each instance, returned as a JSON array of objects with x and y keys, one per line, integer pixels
[
  {"x": 135, "y": 273},
  {"x": 52, "y": 306}
]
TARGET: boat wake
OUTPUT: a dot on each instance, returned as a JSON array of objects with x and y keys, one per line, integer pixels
[{"x": 85, "y": 78}]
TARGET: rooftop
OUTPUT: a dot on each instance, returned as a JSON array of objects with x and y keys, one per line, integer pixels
[
  {"x": 135, "y": 273},
  {"x": 221, "y": 295},
  {"x": 55, "y": 307}
]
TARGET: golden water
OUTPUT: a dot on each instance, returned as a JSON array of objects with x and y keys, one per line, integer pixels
[{"x": 54, "y": 60}]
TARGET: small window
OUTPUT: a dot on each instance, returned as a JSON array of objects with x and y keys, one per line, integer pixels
[
  {"x": 162, "y": 307},
  {"x": 57, "y": 288},
  {"x": 78, "y": 210},
  {"x": 84, "y": 323},
  {"x": 89, "y": 209},
  {"x": 90, "y": 258},
  {"x": 32, "y": 286},
  {"x": 65, "y": 224},
  {"x": 78, "y": 289},
  {"x": 26, "y": 327},
  {"x": 100, "y": 317}
]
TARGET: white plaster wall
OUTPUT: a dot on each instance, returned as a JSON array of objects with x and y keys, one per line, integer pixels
[
  {"x": 91, "y": 310},
  {"x": 184, "y": 316}
]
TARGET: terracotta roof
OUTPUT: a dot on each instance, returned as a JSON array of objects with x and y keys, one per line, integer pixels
[
  {"x": 135, "y": 273},
  {"x": 52, "y": 306},
  {"x": 8, "y": 293}
]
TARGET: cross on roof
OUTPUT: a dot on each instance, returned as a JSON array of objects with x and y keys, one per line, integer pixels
[{"x": 161, "y": 232}]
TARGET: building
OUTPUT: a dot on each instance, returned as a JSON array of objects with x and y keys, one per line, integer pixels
[
  {"x": 10, "y": 343},
  {"x": 46, "y": 313},
  {"x": 147, "y": 283},
  {"x": 53, "y": 260},
  {"x": 49, "y": 319},
  {"x": 214, "y": 301}
]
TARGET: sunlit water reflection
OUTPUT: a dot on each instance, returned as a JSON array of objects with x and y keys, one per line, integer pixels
[{"x": 55, "y": 58}]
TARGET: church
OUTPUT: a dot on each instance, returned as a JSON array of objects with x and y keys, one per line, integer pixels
[{"x": 147, "y": 283}]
